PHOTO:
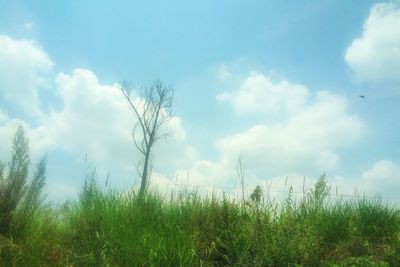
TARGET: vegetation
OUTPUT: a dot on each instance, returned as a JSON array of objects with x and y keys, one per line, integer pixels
[
  {"x": 108, "y": 228},
  {"x": 19, "y": 200}
]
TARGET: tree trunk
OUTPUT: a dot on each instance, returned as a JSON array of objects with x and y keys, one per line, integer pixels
[{"x": 145, "y": 174}]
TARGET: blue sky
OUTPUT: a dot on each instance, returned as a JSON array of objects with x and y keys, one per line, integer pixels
[{"x": 277, "y": 82}]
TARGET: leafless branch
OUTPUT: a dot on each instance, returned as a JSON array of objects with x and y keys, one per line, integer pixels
[{"x": 152, "y": 111}]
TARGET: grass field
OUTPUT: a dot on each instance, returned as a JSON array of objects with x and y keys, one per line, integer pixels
[{"x": 114, "y": 229}]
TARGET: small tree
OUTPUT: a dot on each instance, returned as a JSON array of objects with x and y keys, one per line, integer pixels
[
  {"x": 152, "y": 110},
  {"x": 18, "y": 201}
]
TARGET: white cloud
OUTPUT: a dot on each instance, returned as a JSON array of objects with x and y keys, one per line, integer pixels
[
  {"x": 304, "y": 144},
  {"x": 382, "y": 178},
  {"x": 258, "y": 93},
  {"x": 7, "y": 132},
  {"x": 306, "y": 141},
  {"x": 3, "y": 117},
  {"x": 92, "y": 118},
  {"x": 206, "y": 177},
  {"x": 206, "y": 173},
  {"x": 23, "y": 67},
  {"x": 38, "y": 142},
  {"x": 376, "y": 54}
]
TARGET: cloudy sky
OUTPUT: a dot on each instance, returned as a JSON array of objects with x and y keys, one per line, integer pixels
[{"x": 274, "y": 82}]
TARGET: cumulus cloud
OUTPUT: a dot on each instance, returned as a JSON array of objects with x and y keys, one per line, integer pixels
[
  {"x": 38, "y": 144},
  {"x": 278, "y": 154},
  {"x": 93, "y": 116},
  {"x": 375, "y": 56},
  {"x": 24, "y": 67},
  {"x": 206, "y": 173},
  {"x": 3, "y": 116},
  {"x": 7, "y": 132},
  {"x": 383, "y": 178},
  {"x": 306, "y": 141},
  {"x": 219, "y": 178},
  {"x": 203, "y": 176},
  {"x": 258, "y": 93}
]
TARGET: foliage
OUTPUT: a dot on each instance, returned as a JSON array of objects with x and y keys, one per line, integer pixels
[{"x": 121, "y": 229}]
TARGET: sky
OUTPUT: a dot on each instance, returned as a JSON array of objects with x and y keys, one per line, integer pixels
[{"x": 277, "y": 83}]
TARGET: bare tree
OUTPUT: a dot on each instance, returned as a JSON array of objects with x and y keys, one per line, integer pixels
[{"x": 152, "y": 110}]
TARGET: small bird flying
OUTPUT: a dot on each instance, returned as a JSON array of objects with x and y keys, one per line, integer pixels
[{"x": 361, "y": 96}]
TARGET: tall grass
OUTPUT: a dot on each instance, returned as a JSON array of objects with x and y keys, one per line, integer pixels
[
  {"x": 20, "y": 199},
  {"x": 108, "y": 228}
]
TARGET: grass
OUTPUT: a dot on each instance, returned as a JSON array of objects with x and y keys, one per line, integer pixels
[{"x": 108, "y": 228}]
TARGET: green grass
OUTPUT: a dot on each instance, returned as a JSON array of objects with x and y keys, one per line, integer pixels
[{"x": 108, "y": 228}]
